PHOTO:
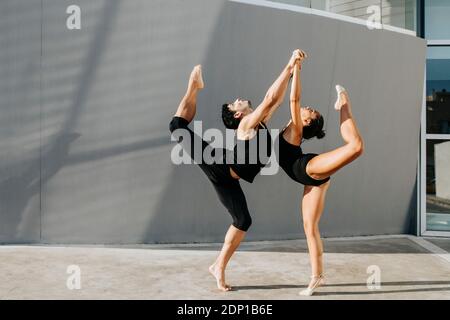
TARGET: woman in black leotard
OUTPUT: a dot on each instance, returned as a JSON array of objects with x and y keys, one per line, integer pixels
[
  {"x": 250, "y": 126},
  {"x": 312, "y": 170}
]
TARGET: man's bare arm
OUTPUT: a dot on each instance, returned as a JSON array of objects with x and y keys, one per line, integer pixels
[{"x": 273, "y": 98}]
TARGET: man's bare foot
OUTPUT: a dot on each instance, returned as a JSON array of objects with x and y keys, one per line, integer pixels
[
  {"x": 342, "y": 98},
  {"x": 220, "y": 278},
  {"x": 196, "y": 78}
]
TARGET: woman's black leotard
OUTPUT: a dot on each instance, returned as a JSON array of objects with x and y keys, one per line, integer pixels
[{"x": 293, "y": 161}]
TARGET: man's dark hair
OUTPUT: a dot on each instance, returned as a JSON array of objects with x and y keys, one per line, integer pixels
[{"x": 228, "y": 118}]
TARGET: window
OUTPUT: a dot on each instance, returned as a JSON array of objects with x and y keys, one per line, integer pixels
[
  {"x": 435, "y": 160},
  {"x": 397, "y": 13},
  {"x": 437, "y": 21},
  {"x": 438, "y": 90},
  {"x": 438, "y": 185}
]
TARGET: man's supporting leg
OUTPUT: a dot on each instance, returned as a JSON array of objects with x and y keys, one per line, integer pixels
[
  {"x": 233, "y": 239},
  {"x": 233, "y": 198}
]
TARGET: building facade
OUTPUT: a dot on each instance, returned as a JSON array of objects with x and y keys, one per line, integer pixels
[
  {"x": 435, "y": 134},
  {"x": 430, "y": 20},
  {"x": 84, "y": 133}
]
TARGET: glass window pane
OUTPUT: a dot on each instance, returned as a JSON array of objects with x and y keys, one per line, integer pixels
[
  {"x": 438, "y": 90},
  {"x": 354, "y": 8},
  {"x": 399, "y": 13},
  {"x": 437, "y": 19},
  {"x": 438, "y": 185}
]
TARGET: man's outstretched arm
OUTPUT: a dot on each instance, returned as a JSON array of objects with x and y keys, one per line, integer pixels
[{"x": 274, "y": 96}]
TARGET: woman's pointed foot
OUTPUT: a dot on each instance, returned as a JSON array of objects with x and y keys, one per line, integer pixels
[
  {"x": 316, "y": 282},
  {"x": 342, "y": 97},
  {"x": 196, "y": 78}
]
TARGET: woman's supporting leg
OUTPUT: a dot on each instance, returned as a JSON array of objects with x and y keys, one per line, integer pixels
[
  {"x": 326, "y": 164},
  {"x": 188, "y": 104},
  {"x": 313, "y": 203}
]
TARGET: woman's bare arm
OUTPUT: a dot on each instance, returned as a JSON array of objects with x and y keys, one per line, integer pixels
[
  {"x": 295, "y": 99},
  {"x": 273, "y": 98},
  {"x": 294, "y": 130}
]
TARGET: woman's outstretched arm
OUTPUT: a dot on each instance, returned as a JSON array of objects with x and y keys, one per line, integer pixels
[
  {"x": 293, "y": 132},
  {"x": 295, "y": 99},
  {"x": 274, "y": 96}
]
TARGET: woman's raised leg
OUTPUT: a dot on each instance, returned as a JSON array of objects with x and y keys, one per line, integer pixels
[{"x": 326, "y": 164}]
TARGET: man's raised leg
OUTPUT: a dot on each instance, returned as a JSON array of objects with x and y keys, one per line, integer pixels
[{"x": 188, "y": 104}]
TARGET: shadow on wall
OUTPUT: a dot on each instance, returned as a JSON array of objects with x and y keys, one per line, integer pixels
[
  {"x": 411, "y": 223},
  {"x": 17, "y": 189},
  {"x": 116, "y": 172},
  {"x": 103, "y": 168},
  {"x": 232, "y": 68},
  {"x": 19, "y": 97},
  {"x": 185, "y": 208},
  {"x": 172, "y": 220},
  {"x": 19, "y": 120}
]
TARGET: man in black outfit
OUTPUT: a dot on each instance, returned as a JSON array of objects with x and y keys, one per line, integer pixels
[{"x": 249, "y": 124}]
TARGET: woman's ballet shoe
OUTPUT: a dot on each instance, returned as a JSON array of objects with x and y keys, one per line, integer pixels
[
  {"x": 340, "y": 89},
  {"x": 319, "y": 280}
]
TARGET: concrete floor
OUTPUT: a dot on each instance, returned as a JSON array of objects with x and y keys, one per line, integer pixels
[
  {"x": 260, "y": 270},
  {"x": 441, "y": 242}
]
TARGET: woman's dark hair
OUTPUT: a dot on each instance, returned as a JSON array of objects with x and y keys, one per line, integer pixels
[
  {"x": 228, "y": 118},
  {"x": 314, "y": 129}
]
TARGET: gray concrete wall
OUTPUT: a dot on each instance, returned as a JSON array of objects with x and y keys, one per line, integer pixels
[
  {"x": 20, "y": 47},
  {"x": 85, "y": 119}
]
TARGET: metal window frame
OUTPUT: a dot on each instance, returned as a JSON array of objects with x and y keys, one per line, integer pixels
[
  {"x": 420, "y": 18},
  {"x": 438, "y": 43},
  {"x": 424, "y": 137}
]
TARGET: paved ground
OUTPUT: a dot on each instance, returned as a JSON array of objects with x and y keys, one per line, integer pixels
[
  {"x": 441, "y": 242},
  {"x": 260, "y": 270}
]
